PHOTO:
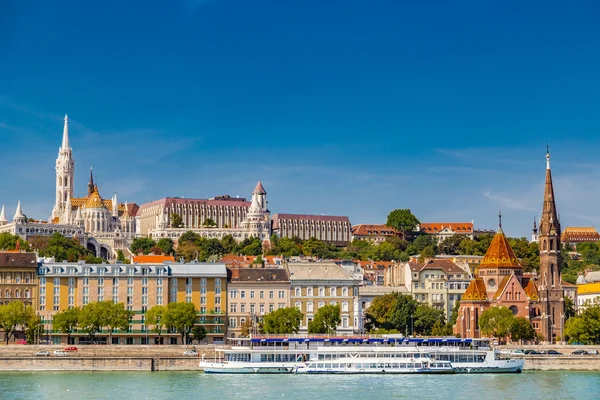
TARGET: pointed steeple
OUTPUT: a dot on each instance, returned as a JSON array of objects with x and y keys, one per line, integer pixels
[
  {"x": 500, "y": 221},
  {"x": 3, "y": 219},
  {"x": 549, "y": 223},
  {"x": 19, "y": 213},
  {"x": 65, "y": 141},
  {"x": 91, "y": 183},
  {"x": 259, "y": 189}
]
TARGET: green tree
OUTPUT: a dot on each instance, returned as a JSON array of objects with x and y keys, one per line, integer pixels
[
  {"x": 496, "y": 321},
  {"x": 155, "y": 319},
  {"x": 180, "y": 317},
  {"x": 62, "y": 248},
  {"x": 229, "y": 244},
  {"x": 176, "y": 221},
  {"x": 92, "y": 318},
  {"x": 198, "y": 333},
  {"x": 585, "y": 327},
  {"x": 116, "y": 317},
  {"x": 403, "y": 221},
  {"x": 569, "y": 308},
  {"x": 454, "y": 315},
  {"x": 441, "y": 329},
  {"x": 66, "y": 321},
  {"x": 142, "y": 245},
  {"x": 402, "y": 318},
  {"x": 35, "y": 327},
  {"x": 282, "y": 321},
  {"x": 121, "y": 256},
  {"x": 426, "y": 317},
  {"x": 316, "y": 248},
  {"x": 451, "y": 245},
  {"x": 166, "y": 246},
  {"x": 9, "y": 241},
  {"x": 251, "y": 247},
  {"x": 12, "y": 315},
  {"x": 521, "y": 329},
  {"x": 379, "y": 313},
  {"x": 209, "y": 223},
  {"x": 326, "y": 320}
]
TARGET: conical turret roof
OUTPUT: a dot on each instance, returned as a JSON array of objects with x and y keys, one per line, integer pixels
[
  {"x": 78, "y": 216},
  {"x": 65, "y": 140},
  {"x": 500, "y": 254},
  {"x": 549, "y": 224},
  {"x": 3, "y": 215},
  {"x": 19, "y": 212},
  {"x": 94, "y": 200},
  {"x": 259, "y": 189}
]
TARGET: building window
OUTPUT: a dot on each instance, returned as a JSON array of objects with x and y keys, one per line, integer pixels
[
  {"x": 233, "y": 308},
  {"x": 345, "y": 292},
  {"x": 345, "y": 306},
  {"x": 332, "y": 292},
  {"x": 233, "y": 322},
  {"x": 203, "y": 300},
  {"x": 86, "y": 300},
  {"x": 71, "y": 281},
  {"x": 321, "y": 304},
  {"x": 298, "y": 305},
  {"x": 144, "y": 281},
  {"x": 344, "y": 322},
  {"x": 242, "y": 294},
  {"x": 159, "y": 300},
  {"x": 309, "y": 292},
  {"x": 321, "y": 292},
  {"x": 188, "y": 281},
  {"x": 100, "y": 281},
  {"x": 43, "y": 281},
  {"x": 309, "y": 307},
  {"x": 261, "y": 294},
  {"x": 297, "y": 292},
  {"x": 252, "y": 308},
  {"x": 217, "y": 281},
  {"x": 56, "y": 281},
  {"x": 233, "y": 294},
  {"x": 242, "y": 308},
  {"x": 252, "y": 294},
  {"x": 271, "y": 307},
  {"x": 115, "y": 282},
  {"x": 261, "y": 309}
]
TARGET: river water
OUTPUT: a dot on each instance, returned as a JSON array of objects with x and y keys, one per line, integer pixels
[{"x": 198, "y": 386}]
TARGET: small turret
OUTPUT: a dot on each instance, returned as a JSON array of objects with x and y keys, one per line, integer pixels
[
  {"x": 534, "y": 232},
  {"x": 19, "y": 217},
  {"x": 79, "y": 218},
  {"x": 3, "y": 220}
]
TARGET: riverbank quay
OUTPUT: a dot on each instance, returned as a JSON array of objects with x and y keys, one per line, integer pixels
[{"x": 105, "y": 358}]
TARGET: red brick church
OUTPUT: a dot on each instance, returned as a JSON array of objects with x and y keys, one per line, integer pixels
[{"x": 500, "y": 280}]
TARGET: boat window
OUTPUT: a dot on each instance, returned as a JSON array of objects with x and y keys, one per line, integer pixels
[{"x": 418, "y": 365}]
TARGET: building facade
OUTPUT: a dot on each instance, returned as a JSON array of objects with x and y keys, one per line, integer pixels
[
  {"x": 231, "y": 216},
  {"x": 139, "y": 287},
  {"x": 444, "y": 230},
  {"x": 252, "y": 293},
  {"x": 373, "y": 233},
  {"x": 18, "y": 278},
  {"x": 330, "y": 229},
  {"x": 314, "y": 285}
]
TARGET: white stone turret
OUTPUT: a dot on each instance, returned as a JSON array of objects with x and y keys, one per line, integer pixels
[
  {"x": 65, "y": 172},
  {"x": 115, "y": 206},
  {"x": 257, "y": 221},
  {"x": 79, "y": 218},
  {"x": 162, "y": 221},
  {"x": 19, "y": 218},
  {"x": 66, "y": 218},
  {"x": 3, "y": 220}
]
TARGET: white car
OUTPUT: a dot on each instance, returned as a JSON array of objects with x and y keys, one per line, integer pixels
[
  {"x": 60, "y": 353},
  {"x": 190, "y": 353},
  {"x": 42, "y": 353}
]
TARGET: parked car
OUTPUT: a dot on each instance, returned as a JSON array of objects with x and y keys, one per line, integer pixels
[
  {"x": 21, "y": 341},
  {"x": 517, "y": 352},
  {"x": 579, "y": 352},
  {"x": 60, "y": 353},
  {"x": 71, "y": 348},
  {"x": 190, "y": 353},
  {"x": 42, "y": 353},
  {"x": 592, "y": 352},
  {"x": 552, "y": 353},
  {"x": 532, "y": 352}
]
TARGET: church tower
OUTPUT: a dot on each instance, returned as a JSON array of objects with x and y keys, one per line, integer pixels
[
  {"x": 65, "y": 171},
  {"x": 551, "y": 293}
]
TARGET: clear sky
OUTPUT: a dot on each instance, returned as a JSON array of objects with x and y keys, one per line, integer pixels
[{"x": 340, "y": 107}]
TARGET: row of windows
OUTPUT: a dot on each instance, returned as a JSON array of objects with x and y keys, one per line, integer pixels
[
  {"x": 321, "y": 291},
  {"x": 17, "y": 294},
  {"x": 252, "y": 308},
  {"x": 17, "y": 277},
  {"x": 310, "y": 305},
  {"x": 233, "y": 294}
]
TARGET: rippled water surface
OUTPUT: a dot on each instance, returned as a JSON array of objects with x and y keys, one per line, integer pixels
[{"x": 192, "y": 385}]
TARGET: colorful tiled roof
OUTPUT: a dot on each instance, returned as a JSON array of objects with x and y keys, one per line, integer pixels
[
  {"x": 475, "y": 291},
  {"x": 259, "y": 189},
  {"x": 500, "y": 254},
  {"x": 580, "y": 234},
  {"x": 94, "y": 200},
  {"x": 531, "y": 290}
]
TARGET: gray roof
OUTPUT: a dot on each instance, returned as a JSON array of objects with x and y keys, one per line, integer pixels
[
  {"x": 199, "y": 269},
  {"x": 317, "y": 271}
]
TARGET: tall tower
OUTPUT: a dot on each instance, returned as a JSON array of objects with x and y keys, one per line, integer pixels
[
  {"x": 65, "y": 171},
  {"x": 550, "y": 291},
  {"x": 534, "y": 232}
]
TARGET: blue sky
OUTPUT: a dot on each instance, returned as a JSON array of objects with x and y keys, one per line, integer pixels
[{"x": 340, "y": 107}]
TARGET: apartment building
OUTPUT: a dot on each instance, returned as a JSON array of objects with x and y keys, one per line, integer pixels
[
  {"x": 254, "y": 292},
  {"x": 316, "y": 284},
  {"x": 139, "y": 287}
]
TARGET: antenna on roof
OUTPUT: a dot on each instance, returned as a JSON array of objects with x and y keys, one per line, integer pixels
[{"x": 500, "y": 220}]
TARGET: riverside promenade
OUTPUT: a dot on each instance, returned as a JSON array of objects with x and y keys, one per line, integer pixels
[{"x": 169, "y": 358}]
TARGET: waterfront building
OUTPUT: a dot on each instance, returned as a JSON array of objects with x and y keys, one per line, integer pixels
[
  {"x": 587, "y": 294},
  {"x": 139, "y": 287},
  {"x": 231, "y": 216},
  {"x": 18, "y": 278},
  {"x": 314, "y": 285},
  {"x": 373, "y": 233},
  {"x": 444, "y": 230},
  {"x": 254, "y": 292},
  {"x": 335, "y": 230},
  {"x": 102, "y": 226}
]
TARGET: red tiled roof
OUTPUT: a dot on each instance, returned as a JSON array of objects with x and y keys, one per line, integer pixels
[
  {"x": 259, "y": 189},
  {"x": 17, "y": 259},
  {"x": 365, "y": 230},
  {"x": 435, "y": 227},
  {"x": 580, "y": 234},
  {"x": 445, "y": 265}
]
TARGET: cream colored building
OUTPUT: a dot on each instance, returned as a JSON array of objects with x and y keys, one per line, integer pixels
[
  {"x": 314, "y": 285},
  {"x": 439, "y": 283},
  {"x": 331, "y": 229},
  {"x": 253, "y": 293},
  {"x": 139, "y": 287}
]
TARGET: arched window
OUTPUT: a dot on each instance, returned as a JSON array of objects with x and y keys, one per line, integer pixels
[
  {"x": 544, "y": 245},
  {"x": 8, "y": 295},
  {"x": 552, "y": 274},
  {"x": 468, "y": 311},
  {"x": 514, "y": 310},
  {"x": 551, "y": 244},
  {"x": 477, "y": 318},
  {"x": 17, "y": 293},
  {"x": 27, "y": 294}
]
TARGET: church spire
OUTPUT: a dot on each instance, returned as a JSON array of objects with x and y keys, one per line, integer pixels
[
  {"x": 91, "y": 183},
  {"x": 65, "y": 141},
  {"x": 3, "y": 219},
  {"x": 500, "y": 221},
  {"x": 549, "y": 223}
]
